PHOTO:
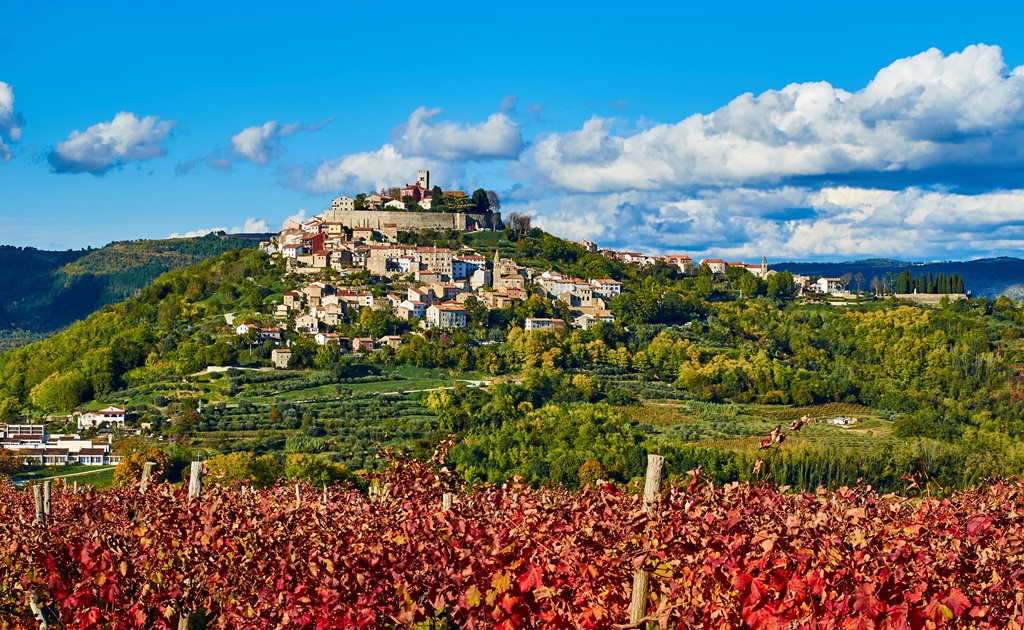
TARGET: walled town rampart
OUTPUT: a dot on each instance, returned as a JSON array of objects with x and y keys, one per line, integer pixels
[{"x": 377, "y": 219}]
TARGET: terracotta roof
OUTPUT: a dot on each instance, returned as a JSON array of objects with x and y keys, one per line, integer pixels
[{"x": 449, "y": 306}]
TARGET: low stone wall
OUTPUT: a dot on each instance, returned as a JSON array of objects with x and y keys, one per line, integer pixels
[
  {"x": 415, "y": 220},
  {"x": 929, "y": 298}
]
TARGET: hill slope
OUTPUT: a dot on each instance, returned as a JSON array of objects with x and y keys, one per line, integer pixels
[{"x": 43, "y": 291}]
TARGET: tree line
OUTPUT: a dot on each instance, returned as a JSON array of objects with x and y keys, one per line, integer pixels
[{"x": 927, "y": 283}]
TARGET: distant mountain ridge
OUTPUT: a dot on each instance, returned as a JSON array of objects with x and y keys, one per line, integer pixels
[
  {"x": 985, "y": 277},
  {"x": 43, "y": 291}
]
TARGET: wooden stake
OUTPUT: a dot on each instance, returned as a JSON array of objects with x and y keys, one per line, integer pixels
[
  {"x": 76, "y": 488},
  {"x": 298, "y": 497},
  {"x": 37, "y": 610},
  {"x": 638, "y": 605},
  {"x": 641, "y": 579},
  {"x": 37, "y": 492},
  {"x": 47, "y": 489},
  {"x": 147, "y": 472},
  {"x": 183, "y": 620},
  {"x": 446, "y": 501},
  {"x": 325, "y": 494},
  {"x": 195, "y": 480},
  {"x": 652, "y": 484}
]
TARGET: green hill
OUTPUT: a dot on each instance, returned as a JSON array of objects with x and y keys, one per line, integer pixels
[
  {"x": 44, "y": 291},
  {"x": 691, "y": 368}
]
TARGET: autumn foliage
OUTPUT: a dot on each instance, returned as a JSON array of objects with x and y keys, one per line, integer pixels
[{"x": 733, "y": 556}]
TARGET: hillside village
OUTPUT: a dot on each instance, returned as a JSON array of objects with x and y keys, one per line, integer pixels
[{"x": 366, "y": 235}]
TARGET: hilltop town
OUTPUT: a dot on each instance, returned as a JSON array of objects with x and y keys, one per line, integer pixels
[{"x": 375, "y": 234}]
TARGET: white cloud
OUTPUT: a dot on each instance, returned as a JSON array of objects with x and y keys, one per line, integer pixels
[
  {"x": 496, "y": 138},
  {"x": 792, "y": 223},
  {"x": 196, "y": 233},
  {"x": 420, "y": 143},
  {"x": 262, "y": 143},
  {"x": 10, "y": 122},
  {"x": 103, "y": 146},
  {"x": 298, "y": 217},
  {"x": 252, "y": 225},
  {"x": 372, "y": 170},
  {"x": 925, "y": 111}
]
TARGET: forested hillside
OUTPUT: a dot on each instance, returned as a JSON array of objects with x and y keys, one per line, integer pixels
[
  {"x": 43, "y": 291},
  {"x": 690, "y": 369}
]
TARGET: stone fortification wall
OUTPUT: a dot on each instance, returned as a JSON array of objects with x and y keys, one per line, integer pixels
[
  {"x": 929, "y": 298},
  {"x": 415, "y": 220}
]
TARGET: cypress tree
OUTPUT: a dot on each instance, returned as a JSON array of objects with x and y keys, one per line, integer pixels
[{"x": 904, "y": 282}]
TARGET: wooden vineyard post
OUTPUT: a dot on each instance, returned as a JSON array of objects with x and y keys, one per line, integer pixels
[
  {"x": 446, "y": 501},
  {"x": 37, "y": 611},
  {"x": 47, "y": 491},
  {"x": 195, "y": 489},
  {"x": 195, "y": 480},
  {"x": 642, "y": 579},
  {"x": 37, "y": 493},
  {"x": 652, "y": 484},
  {"x": 76, "y": 488},
  {"x": 147, "y": 472},
  {"x": 298, "y": 497}
]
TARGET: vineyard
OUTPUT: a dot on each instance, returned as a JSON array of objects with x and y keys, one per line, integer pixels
[{"x": 423, "y": 550}]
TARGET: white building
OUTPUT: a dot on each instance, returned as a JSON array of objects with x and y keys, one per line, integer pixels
[
  {"x": 544, "y": 323},
  {"x": 830, "y": 285},
  {"x": 293, "y": 251},
  {"x": 446, "y": 315},
  {"x": 606, "y": 288},
  {"x": 466, "y": 266},
  {"x": 28, "y": 433},
  {"x": 343, "y": 204},
  {"x": 408, "y": 309},
  {"x": 588, "y": 320},
  {"x": 111, "y": 416},
  {"x": 717, "y": 265},
  {"x": 244, "y": 328}
]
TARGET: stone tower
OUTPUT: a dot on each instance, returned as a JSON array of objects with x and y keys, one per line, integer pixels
[
  {"x": 764, "y": 267},
  {"x": 423, "y": 178}
]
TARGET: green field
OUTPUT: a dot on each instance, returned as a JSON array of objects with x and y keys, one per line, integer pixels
[
  {"x": 100, "y": 477},
  {"x": 736, "y": 425}
]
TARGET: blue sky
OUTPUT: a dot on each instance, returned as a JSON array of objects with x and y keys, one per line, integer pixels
[{"x": 809, "y": 132}]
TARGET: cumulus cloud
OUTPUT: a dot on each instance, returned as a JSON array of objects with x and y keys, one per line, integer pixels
[
  {"x": 252, "y": 225},
  {"x": 961, "y": 111},
  {"x": 443, "y": 147},
  {"x": 792, "y": 222},
  {"x": 262, "y": 143},
  {"x": 107, "y": 145},
  {"x": 11, "y": 123},
  {"x": 496, "y": 138},
  {"x": 298, "y": 217},
  {"x": 372, "y": 170}
]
